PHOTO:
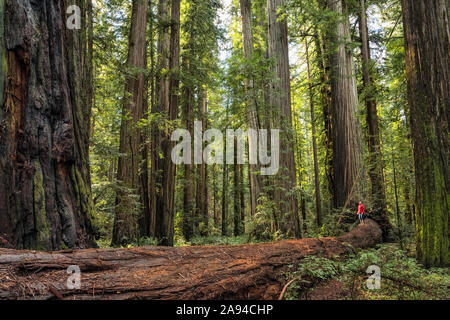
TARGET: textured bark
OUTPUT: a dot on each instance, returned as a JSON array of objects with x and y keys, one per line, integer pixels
[
  {"x": 132, "y": 168},
  {"x": 215, "y": 196},
  {"x": 224, "y": 192},
  {"x": 344, "y": 100},
  {"x": 202, "y": 187},
  {"x": 45, "y": 108},
  {"x": 188, "y": 119},
  {"x": 251, "y": 101},
  {"x": 323, "y": 63},
  {"x": 168, "y": 221},
  {"x": 314, "y": 143},
  {"x": 163, "y": 169},
  {"x": 253, "y": 272},
  {"x": 242, "y": 197},
  {"x": 237, "y": 199},
  {"x": 188, "y": 187},
  {"x": 374, "y": 146},
  {"x": 286, "y": 202},
  {"x": 427, "y": 39}
]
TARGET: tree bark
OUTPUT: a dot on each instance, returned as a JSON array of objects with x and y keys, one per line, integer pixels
[
  {"x": 314, "y": 143},
  {"x": 242, "y": 197},
  {"x": 166, "y": 109},
  {"x": 255, "y": 272},
  {"x": 224, "y": 189},
  {"x": 374, "y": 145},
  {"x": 323, "y": 63},
  {"x": 45, "y": 108},
  {"x": 132, "y": 168},
  {"x": 251, "y": 100},
  {"x": 426, "y": 27},
  {"x": 202, "y": 188},
  {"x": 344, "y": 100},
  {"x": 280, "y": 104},
  {"x": 188, "y": 186}
]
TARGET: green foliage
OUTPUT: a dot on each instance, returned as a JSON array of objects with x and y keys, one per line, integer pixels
[
  {"x": 218, "y": 240},
  {"x": 402, "y": 277}
]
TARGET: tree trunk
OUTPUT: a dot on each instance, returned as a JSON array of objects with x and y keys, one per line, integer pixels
[
  {"x": 280, "y": 103},
  {"x": 168, "y": 220},
  {"x": 426, "y": 27},
  {"x": 202, "y": 204},
  {"x": 375, "y": 156},
  {"x": 236, "y": 193},
  {"x": 242, "y": 197},
  {"x": 132, "y": 181},
  {"x": 323, "y": 63},
  {"x": 313, "y": 133},
  {"x": 189, "y": 169},
  {"x": 255, "y": 271},
  {"x": 45, "y": 108},
  {"x": 163, "y": 169},
  {"x": 188, "y": 187},
  {"x": 251, "y": 101},
  {"x": 224, "y": 191},
  {"x": 346, "y": 131},
  {"x": 215, "y": 190},
  {"x": 397, "y": 206}
]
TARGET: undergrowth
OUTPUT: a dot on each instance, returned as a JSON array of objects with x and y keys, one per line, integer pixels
[{"x": 402, "y": 277}]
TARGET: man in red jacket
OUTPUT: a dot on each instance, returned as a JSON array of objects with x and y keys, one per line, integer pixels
[{"x": 361, "y": 210}]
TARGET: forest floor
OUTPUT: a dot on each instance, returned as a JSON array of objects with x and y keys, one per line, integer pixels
[{"x": 401, "y": 277}]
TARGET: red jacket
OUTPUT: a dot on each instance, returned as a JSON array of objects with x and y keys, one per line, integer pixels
[{"x": 361, "y": 208}]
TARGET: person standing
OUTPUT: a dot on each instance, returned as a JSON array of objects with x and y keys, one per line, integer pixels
[{"x": 361, "y": 211}]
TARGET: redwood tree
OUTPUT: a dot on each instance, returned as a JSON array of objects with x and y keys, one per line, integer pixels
[
  {"x": 375, "y": 156},
  {"x": 344, "y": 103},
  {"x": 132, "y": 178},
  {"x": 426, "y": 27},
  {"x": 45, "y": 108},
  {"x": 280, "y": 103},
  {"x": 165, "y": 111},
  {"x": 251, "y": 100}
]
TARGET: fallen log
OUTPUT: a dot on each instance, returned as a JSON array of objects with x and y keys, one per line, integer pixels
[{"x": 253, "y": 271}]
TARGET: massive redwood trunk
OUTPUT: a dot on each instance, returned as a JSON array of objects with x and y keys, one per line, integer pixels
[
  {"x": 373, "y": 139},
  {"x": 253, "y": 122},
  {"x": 235, "y": 272},
  {"x": 286, "y": 201},
  {"x": 162, "y": 188},
  {"x": 427, "y": 38},
  {"x": 132, "y": 167},
  {"x": 344, "y": 101},
  {"x": 45, "y": 105}
]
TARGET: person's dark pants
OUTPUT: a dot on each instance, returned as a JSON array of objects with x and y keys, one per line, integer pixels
[{"x": 361, "y": 217}]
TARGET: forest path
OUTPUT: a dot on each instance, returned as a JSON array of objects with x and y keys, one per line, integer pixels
[{"x": 250, "y": 271}]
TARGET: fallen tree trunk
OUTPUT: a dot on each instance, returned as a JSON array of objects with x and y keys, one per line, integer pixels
[{"x": 253, "y": 271}]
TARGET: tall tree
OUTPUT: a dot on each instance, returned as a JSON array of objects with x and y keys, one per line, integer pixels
[
  {"x": 375, "y": 156},
  {"x": 426, "y": 28},
  {"x": 344, "y": 100},
  {"x": 188, "y": 186},
  {"x": 131, "y": 174},
  {"x": 280, "y": 103},
  {"x": 45, "y": 108},
  {"x": 202, "y": 187},
  {"x": 165, "y": 110},
  {"x": 251, "y": 101},
  {"x": 314, "y": 142},
  {"x": 188, "y": 119}
]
